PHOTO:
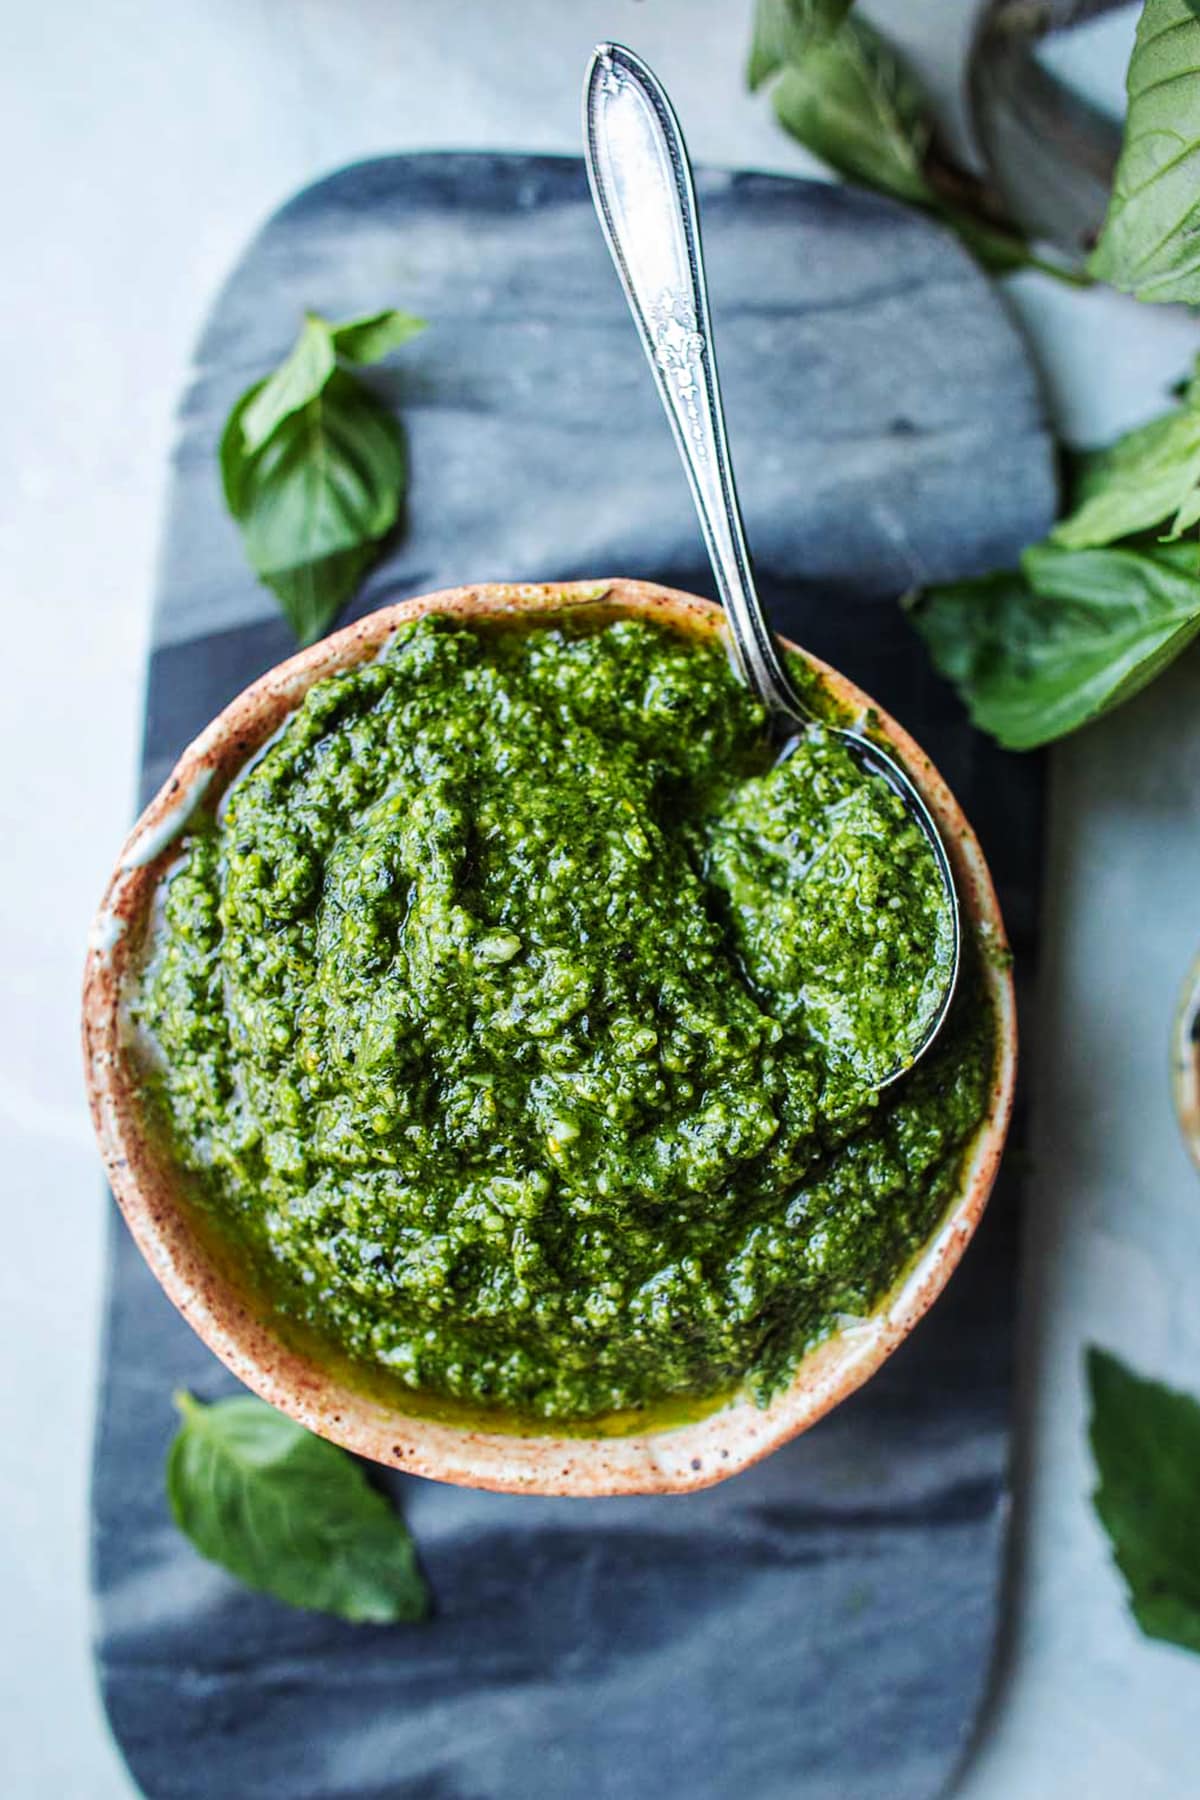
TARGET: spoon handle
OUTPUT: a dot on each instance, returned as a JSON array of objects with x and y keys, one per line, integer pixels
[{"x": 641, "y": 182}]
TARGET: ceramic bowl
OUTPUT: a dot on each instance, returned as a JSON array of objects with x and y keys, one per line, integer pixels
[{"x": 148, "y": 1189}]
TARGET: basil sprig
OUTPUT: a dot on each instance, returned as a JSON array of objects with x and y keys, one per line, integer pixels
[
  {"x": 289, "y": 1514},
  {"x": 1093, "y": 614},
  {"x": 1146, "y": 1442},
  {"x": 314, "y": 468},
  {"x": 843, "y": 90},
  {"x": 1150, "y": 244}
]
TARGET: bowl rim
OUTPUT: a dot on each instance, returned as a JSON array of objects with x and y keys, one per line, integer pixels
[{"x": 673, "y": 1459}]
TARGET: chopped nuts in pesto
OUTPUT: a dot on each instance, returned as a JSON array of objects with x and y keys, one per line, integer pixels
[{"x": 512, "y": 1012}]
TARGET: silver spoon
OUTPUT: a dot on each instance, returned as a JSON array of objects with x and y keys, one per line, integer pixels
[{"x": 641, "y": 182}]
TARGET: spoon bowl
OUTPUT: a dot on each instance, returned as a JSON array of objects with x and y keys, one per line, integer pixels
[
  {"x": 641, "y": 183},
  {"x": 213, "y": 1296}
]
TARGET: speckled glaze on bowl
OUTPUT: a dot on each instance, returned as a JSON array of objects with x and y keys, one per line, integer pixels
[{"x": 673, "y": 1460}]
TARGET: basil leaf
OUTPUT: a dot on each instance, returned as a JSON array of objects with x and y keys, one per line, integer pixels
[
  {"x": 784, "y": 30},
  {"x": 1149, "y": 477},
  {"x": 854, "y": 104},
  {"x": 289, "y": 1514},
  {"x": 370, "y": 339},
  {"x": 316, "y": 497},
  {"x": 1146, "y": 1442},
  {"x": 313, "y": 467},
  {"x": 1150, "y": 243},
  {"x": 1146, "y": 478},
  {"x": 1036, "y": 654},
  {"x": 297, "y": 380}
]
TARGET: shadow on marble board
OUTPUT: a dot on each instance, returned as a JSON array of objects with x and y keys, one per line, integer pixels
[{"x": 821, "y": 1626}]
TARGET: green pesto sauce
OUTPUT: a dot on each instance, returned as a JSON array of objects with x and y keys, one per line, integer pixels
[{"x": 519, "y": 1013}]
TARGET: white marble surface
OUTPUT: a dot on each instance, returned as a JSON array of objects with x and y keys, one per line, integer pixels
[{"x": 142, "y": 143}]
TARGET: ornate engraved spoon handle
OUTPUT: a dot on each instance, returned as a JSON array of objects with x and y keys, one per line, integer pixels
[{"x": 641, "y": 184}]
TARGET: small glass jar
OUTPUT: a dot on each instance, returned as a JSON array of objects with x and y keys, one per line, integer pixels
[{"x": 1185, "y": 1061}]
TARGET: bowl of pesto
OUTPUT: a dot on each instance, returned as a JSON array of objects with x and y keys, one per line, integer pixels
[{"x": 479, "y": 1031}]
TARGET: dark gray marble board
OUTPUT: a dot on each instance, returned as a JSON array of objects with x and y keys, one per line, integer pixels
[{"x": 821, "y": 1627}]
